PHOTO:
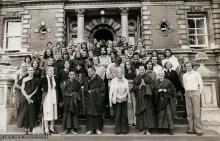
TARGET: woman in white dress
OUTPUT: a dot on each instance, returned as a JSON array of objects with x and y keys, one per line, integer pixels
[{"x": 49, "y": 102}]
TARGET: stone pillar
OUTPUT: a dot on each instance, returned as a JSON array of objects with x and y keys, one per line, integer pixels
[
  {"x": 146, "y": 22},
  {"x": 60, "y": 34},
  {"x": 216, "y": 21},
  {"x": 80, "y": 24},
  {"x": 6, "y": 104},
  {"x": 124, "y": 22}
]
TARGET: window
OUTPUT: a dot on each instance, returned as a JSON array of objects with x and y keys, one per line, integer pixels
[
  {"x": 12, "y": 36},
  {"x": 197, "y": 30}
]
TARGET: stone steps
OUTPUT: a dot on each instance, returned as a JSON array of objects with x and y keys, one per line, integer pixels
[{"x": 128, "y": 137}]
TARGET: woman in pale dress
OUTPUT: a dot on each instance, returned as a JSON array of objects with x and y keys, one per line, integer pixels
[{"x": 49, "y": 102}]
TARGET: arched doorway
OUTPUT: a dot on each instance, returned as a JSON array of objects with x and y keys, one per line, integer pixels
[{"x": 103, "y": 34}]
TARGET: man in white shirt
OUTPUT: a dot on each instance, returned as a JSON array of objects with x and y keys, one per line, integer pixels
[{"x": 193, "y": 85}]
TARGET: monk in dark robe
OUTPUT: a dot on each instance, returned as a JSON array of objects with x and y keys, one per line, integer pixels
[
  {"x": 164, "y": 92},
  {"x": 94, "y": 94},
  {"x": 143, "y": 85},
  {"x": 28, "y": 109},
  {"x": 71, "y": 98}
]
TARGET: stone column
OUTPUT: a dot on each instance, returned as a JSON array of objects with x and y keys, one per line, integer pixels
[
  {"x": 80, "y": 24},
  {"x": 146, "y": 23},
  {"x": 6, "y": 105},
  {"x": 124, "y": 22}
]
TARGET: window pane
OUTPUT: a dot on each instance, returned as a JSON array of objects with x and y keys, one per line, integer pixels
[
  {"x": 201, "y": 40},
  {"x": 191, "y": 31},
  {"x": 191, "y": 23},
  {"x": 192, "y": 40},
  {"x": 14, "y": 29},
  {"x": 14, "y": 43},
  {"x": 200, "y": 23},
  {"x": 200, "y": 31}
]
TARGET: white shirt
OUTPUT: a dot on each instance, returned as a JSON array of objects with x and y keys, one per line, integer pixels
[
  {"x": 157, "y": 68},
  {"x": 192, "y": 81}
]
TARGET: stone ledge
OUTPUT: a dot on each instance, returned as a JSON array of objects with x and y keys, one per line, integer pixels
[{"x": 180, "y": 12}]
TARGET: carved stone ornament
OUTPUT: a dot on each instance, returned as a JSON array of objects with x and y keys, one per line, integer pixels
[
  {"x": 196, "y": 8},
  {"x": 80, "y": 12},
  {"x": 42, "y": 29},
  {"x": 124, "y": 11},
  {"x": 165, "y": 27}
]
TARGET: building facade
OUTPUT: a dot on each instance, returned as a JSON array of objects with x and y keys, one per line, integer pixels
[{"x": 185, "y": 26}]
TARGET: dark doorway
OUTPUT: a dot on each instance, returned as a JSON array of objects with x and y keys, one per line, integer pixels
[{"x": 103, "y": 34}]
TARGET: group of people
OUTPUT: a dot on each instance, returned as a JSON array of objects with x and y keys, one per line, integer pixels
[{"x": 100, "y": 80}]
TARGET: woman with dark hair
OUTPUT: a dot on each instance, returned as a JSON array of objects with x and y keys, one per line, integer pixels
[
  {"x": 77, "y": 60},
  {"x": 155, "y": 53},
  {"x": 66, "y": 57},
  {"x": 84, "y": 46},
  {"x": 113, "y": 55},
  {"x": 97, "y": 49},
  {"x": 168, "y": 56},
  {"x": 48, "y": 53},
  {"x": 100, "y": 70},
  {"x": 130, "y": 74},
  {"x": 27, "y": 61},
  {"x": 156, "y": 66},
  {"x": 39, "y": 74},
  {"x": 28, "y": 108},
  {"x": 57, "y": 48},
  {"x": 50, "y": 45},
  {"x": 81, "y": 73},
  {"x": 150, "y": 72}
]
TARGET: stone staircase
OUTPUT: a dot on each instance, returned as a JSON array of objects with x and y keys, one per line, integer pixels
[
  {"x": 181, "y": 108},
  {"x": 109, "y": 135}
]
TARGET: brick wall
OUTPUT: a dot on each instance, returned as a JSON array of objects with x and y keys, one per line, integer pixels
[{"x": 55, "y": 23}]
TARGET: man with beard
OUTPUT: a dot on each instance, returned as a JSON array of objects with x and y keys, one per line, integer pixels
[
  {"x": 94, "y": 93},
  {"x": 143, "y": 85}
]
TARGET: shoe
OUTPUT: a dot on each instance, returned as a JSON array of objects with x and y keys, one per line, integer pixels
[
  {"x": 199, "y": 133},
  {"x": 190, "y": 131},
  {"x": 47, "y": 133},
  {"x": 171, "y": 132},
  {"x": 98, "y": 132},
  {"x": 52, "y": 131},
  {"x": 25, "y": 132},
  {"x": 148, "y": 133},
  {"x": 65, "y": 133},
  {"x": 74, "y": 132},
  {"x": 142, "y": 132},
  {"x": 89, "y": 132}
]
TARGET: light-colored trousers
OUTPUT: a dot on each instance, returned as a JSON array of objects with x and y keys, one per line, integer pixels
[{"x": 193, "y": 109}]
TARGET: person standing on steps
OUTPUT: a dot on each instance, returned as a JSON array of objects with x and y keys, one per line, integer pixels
[
  {"x": 71, "y": 98},
  {"x": 193, "y": 84},
  {"x": 120, "y": 96},
  {"x": 143, "y": 85},
  {"x": 164, "y": 92},
  {"x": 49, "y": 101},
  {"x": 94, "y": 94},
  {"x": 29, "y": 90}
]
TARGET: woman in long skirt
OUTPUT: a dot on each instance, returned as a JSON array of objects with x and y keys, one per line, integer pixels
[{"x": 49, "y": 101}]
